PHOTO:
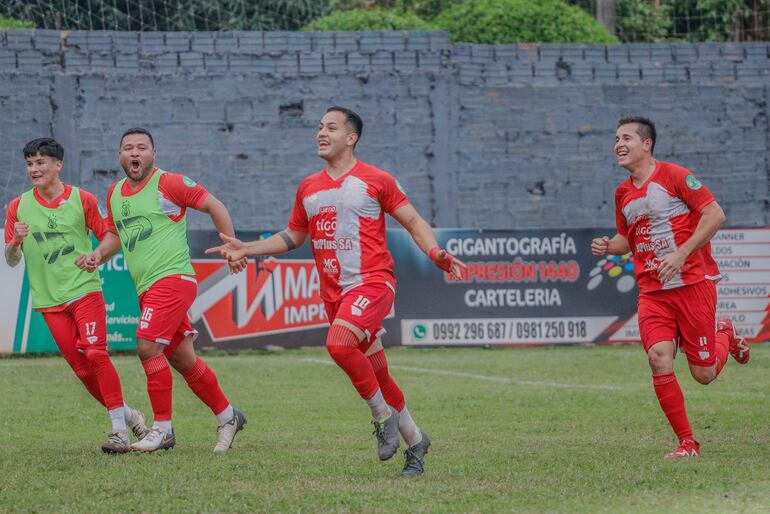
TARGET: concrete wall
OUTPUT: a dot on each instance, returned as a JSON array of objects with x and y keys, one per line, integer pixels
[{"x": 480, "y": 136}]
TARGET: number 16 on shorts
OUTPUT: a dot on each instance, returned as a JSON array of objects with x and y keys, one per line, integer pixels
[{"x": 144, "y": 321}]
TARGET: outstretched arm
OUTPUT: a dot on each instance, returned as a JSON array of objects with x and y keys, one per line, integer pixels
[
  {"x": 282, "y": 242},
  {"x": 224, "y": 225},
  {"x": 423, "y": 236}
]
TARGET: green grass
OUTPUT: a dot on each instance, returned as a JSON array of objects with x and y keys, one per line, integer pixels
[{"x": 554, "y": 429}]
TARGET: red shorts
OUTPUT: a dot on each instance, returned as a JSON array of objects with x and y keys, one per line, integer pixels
[
  {"x": 686, "y": 314},
  {"x": 164, "y": 309},
  {"x": 365, "y": 307},
  {"x": 82, "y": 323}
]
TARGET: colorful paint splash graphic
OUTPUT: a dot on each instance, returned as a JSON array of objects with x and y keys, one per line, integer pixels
[{"x": 617, "y": 267}]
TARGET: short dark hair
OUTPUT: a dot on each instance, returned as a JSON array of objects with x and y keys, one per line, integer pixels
[
  {"x": 137, "y": 130},
  {"x": 44, "y": 146},
  {"x": 646, "y": 129},
  {"x": 351, "y": 118}
]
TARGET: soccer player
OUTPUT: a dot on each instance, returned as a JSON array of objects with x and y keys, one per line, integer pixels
[
  {"x": 148, "y": 210},
  {"x": 50, "y": 224},
  {"x": 343, "y": 209},
  {"x": 666, "y": 217}
]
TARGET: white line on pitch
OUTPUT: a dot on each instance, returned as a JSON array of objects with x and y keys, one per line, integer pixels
[{"x": 486, "y": 378}]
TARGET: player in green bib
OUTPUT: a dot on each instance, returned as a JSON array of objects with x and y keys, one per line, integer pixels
[
  {"x": 50, "y": 225},
  {"x": 147, "y": 218}
]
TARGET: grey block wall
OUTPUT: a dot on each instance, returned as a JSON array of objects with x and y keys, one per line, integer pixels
[{"x": 480, "y": 136}]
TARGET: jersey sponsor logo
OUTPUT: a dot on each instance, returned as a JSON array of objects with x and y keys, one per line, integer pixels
[
  {"x": 132, "y": 230},
  {"x": 189, "y": 182},
  {"x": 53, "y": 245},
  {"x": 331, "y": 266},
  {"x": 272, "y": 297},
  {"x": 643, "y": 229},
  {"x": 692, "y": 182},
  {"x": 327, "y": 227},
  {"x": 342, "y": 243},
  {"x": 327, "y": 209},
  {"x": 652, "y": 246}
]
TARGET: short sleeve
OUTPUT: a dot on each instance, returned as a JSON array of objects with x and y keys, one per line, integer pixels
[
  {"x": 11, "y": 217},
  {"x": 620, "y": 219},
  {"x": 689, "y": 189},
  {"x": 94, "y": 219},
  {"x": 109, "y": 222},
  {"x": 298, "y": 220},
  {"x": 182, "y": 190},
  {"x": 392, "y": 196}
]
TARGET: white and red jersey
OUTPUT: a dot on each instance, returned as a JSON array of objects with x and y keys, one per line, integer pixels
[
  {"x": 345, "y": 219},
  {"x": 657, "y": 218}
]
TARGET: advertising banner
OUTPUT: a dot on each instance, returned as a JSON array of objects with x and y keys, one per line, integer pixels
[{"x": 522, "y": 287}]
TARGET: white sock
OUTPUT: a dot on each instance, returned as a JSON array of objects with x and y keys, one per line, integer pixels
[
  {"x": 380, "y": 409},
  {"x": 129, "y": 412},
  {"x": 225, "y": 416},
  {"x": 118, "y": 417},
  {"x": 163, "y": 426},
  {"x": 409, "y": 430}
]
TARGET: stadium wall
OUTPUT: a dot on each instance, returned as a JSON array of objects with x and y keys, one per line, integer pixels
[{"x": 480, "y": 136}]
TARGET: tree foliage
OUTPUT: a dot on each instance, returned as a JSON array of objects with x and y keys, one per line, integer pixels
[
  {"x": 511, "y": 21},
  {"x": 167, "y": 15},
  {"x": 369, "y": 19}
]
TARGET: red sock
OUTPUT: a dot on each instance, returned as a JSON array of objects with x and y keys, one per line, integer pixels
[
  {"x": 390, "y": 390},
  {"x": 204, "y": 384},
  {"x": 159, "y": 384},
  {"x": 85, "y": 372},
  {"x": 342, "y": 345},
  {"x": 722, "y": 340},
  {"x": 106, "y": 376},
  {"x": 672, "y": 402}
]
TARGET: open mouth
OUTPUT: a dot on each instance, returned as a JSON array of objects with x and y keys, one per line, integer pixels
[{"x": 135, "y": 165}]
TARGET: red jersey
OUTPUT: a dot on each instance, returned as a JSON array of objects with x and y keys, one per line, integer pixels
[
  {"x": 176, "y": 193},
  {"x": 658, "y": 217},
  {"x": 94, "y": 220},
  {"x": 345, "y": 219}
]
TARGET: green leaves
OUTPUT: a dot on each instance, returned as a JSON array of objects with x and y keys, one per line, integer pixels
[{"x": 521, "y": 21}]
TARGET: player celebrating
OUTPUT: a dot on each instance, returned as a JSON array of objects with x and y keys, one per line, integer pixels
[
  {"x": 58, "y": 217},
  {"x": 342, "y": 209},
  {"x": 666, "y": 218},
  {"x": 148, "y": 210}
]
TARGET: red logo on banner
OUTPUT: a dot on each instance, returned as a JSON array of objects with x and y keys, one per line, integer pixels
[{"x": 271, "y": 297}]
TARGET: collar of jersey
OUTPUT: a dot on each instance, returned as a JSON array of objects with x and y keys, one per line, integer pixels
[
  {"x": 126, "y": 189},
  {"x": 56, "y": 202},
  {"x": 649, "y": 179},
  {"x": 344, "y": 175}
]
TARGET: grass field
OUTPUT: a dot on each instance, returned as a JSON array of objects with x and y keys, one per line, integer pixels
[{"x": 541, "y": 429}]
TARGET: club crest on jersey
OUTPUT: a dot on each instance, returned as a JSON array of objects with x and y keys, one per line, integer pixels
[
  {"x": 52, "y": 223},
  {"x": 125, "y": 209},
  {"x": 692, "y": 182},
  {"x": 189, "y": 182}
]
